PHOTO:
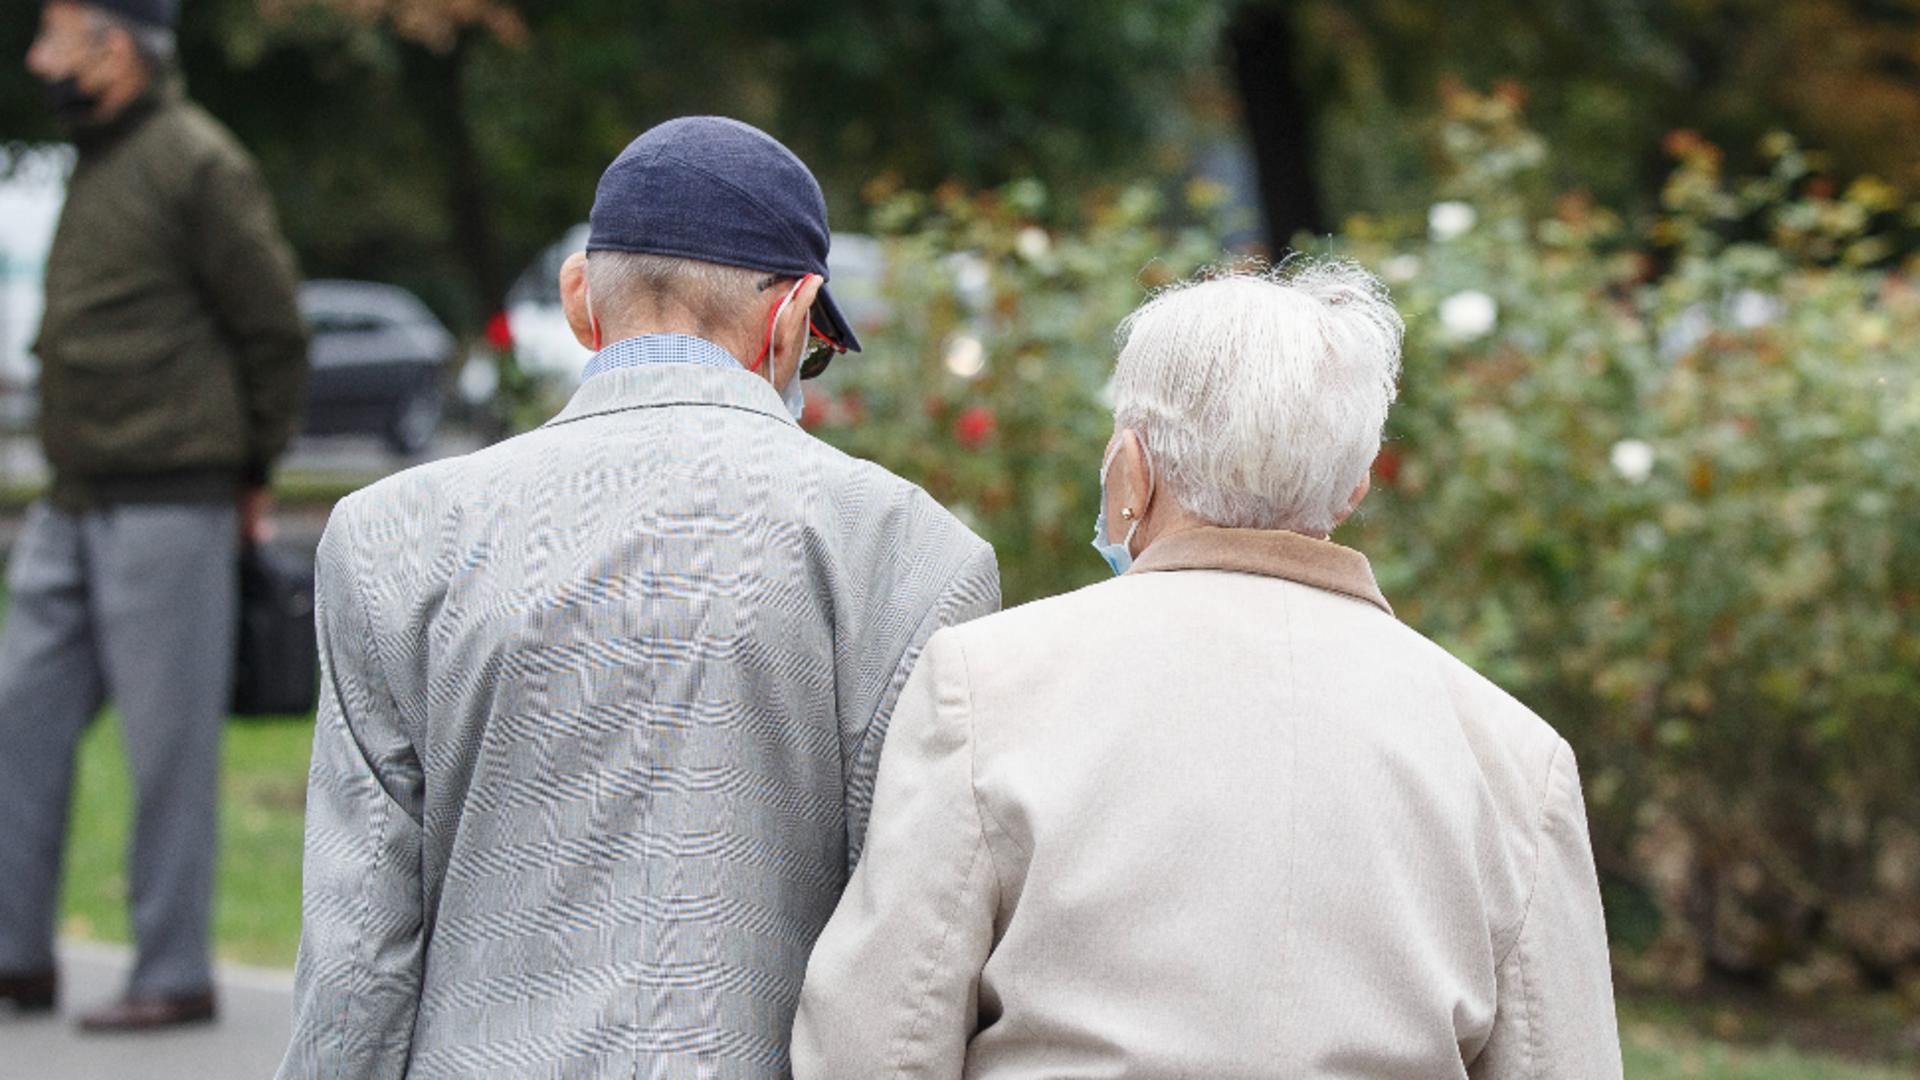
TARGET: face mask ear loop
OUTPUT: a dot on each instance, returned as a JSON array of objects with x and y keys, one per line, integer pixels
[
  {"x": 773, "y": 326},
  {"x": 1151, "y": 485},
  {"x": 592, "y": 319}
]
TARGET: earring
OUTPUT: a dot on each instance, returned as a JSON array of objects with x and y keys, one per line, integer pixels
[{"x": 1127, "y": 514}]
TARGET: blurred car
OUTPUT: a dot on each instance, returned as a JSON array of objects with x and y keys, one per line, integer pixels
[
  {"x": 380, "y": 361},
  {"x": 33, "y": 185}
]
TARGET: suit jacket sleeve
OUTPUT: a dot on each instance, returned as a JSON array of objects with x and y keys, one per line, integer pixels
[
  {"x": 972, "y": 592},
  {"x": 362, "y": 941},
  {"x": 248, "y": 271},
  {"x": 1555, "y": 1017},
  {"x": 892, "y": 988}
]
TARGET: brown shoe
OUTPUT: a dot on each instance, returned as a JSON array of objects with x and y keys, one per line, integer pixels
[
  {"x": 36, "y": 993},
  {"x": 150, "y": 1014}
]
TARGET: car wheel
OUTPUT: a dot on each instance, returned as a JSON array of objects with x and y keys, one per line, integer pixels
[{"x": 416, "y": 421}]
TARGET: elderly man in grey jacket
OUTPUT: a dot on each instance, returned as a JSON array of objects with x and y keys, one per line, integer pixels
[{"x": 602, "y": 704}]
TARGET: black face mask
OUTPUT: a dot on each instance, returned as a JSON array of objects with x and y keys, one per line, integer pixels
[{"x": 72, "y": 106}]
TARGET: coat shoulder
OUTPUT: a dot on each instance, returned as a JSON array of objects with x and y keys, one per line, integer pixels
[{"x": 1503, "y": 731}]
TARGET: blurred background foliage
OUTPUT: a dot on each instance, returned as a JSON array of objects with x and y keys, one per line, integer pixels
[
  {"x": 439, "y": 144},
  {"x": 1657, "y": 477}
]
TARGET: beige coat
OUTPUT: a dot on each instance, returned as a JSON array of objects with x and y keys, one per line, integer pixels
[{"x": 1222, "y": 817}]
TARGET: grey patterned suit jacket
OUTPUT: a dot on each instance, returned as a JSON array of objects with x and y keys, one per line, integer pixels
[{"x": 601, "y": 713}]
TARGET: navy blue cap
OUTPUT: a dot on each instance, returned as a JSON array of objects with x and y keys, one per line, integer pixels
[
  {"x": 720, "y": 191},
  {"x": 160, "y": 13}
]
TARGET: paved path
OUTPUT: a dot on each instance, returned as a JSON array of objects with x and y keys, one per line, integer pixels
[{"x": 245, "y": 1044}]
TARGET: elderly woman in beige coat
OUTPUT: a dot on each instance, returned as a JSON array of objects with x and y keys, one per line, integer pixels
[{"x": 1223, "y": 816}]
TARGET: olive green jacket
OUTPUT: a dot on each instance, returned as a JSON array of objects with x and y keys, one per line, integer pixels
[{"x": 173, "y": 356}]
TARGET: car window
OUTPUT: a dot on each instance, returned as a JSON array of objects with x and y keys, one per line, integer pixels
[
  {"x": 540, "y": 282},
  {"x": 346, "y": 322}
]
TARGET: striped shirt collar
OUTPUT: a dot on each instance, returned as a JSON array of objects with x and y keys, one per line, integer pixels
[
  {"x": 660, "y": 349},
  {"x": 674, "y": 385}
]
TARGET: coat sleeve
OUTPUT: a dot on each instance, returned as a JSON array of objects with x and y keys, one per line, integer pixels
[
  {"x": 971, "y": 593},
  {"x": 362, "y": 940},
  {"x": 892, "y": 988},
  {"x": 1555, "y": 1018},
  {"x": 247, "y": 270}
]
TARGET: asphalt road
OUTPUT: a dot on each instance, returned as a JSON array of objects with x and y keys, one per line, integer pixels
[{"x": 244, "y": 1044}]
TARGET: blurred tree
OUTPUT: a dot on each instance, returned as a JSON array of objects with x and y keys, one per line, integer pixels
[
  {"x": 1606, "y": 79},
  {"x": 444, "y": 138},
  {"x": 440, "y": 143}
]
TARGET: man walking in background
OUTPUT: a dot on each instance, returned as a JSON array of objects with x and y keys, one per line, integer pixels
[
  {"x": 173, "y": 360},
  {"x": 601, "y": 705}
]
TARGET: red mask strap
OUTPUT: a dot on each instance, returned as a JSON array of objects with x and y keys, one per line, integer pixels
[{"x": 766, "y": 349}]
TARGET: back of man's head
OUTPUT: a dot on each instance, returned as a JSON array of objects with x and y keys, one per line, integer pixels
[{"x": 635, "y": 292}]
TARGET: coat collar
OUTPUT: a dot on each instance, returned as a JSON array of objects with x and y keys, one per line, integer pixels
[
  {"x": 166, "y": 89},
  {"x": 657, "y": 386},
  {"x": 1318, "y": 563}
]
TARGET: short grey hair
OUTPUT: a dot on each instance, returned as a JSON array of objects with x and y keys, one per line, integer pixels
[
  {"x": 1261, "y": 394},
  {"x": 620, "y": 282},
  {"x": 156, "y": 46}
]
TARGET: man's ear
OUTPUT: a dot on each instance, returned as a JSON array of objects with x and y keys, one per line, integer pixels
[
  {"x": 574, "y": 300},
  {"x": 790, "y": 335}
]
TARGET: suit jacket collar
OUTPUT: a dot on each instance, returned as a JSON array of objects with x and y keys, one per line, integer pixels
[
  {"x": 1318, "y": 563},
  {"x": 655, "y": 386}
]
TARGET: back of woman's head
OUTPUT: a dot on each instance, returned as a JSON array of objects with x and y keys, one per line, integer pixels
[{"x": 1261, "y": 396}]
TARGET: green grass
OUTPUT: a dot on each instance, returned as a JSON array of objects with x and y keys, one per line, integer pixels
[
  {"x": 257, "y": 895},
  {"x": 1657, "y": 1049},
  {"x": 257, "y": 915},
  {"x": 291, "y": 488}
]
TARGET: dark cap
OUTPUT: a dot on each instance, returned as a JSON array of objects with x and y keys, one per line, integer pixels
[
  {"x": 160, "y": 13},
  {"x": 720, "y": 191}
]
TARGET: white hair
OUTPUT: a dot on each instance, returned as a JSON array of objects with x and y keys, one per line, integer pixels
[
  {"x": 717, "y": 296},
  {"x": 1261, "y": 395}
]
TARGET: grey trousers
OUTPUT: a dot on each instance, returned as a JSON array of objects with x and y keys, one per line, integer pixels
[{"x": 137, "y": 604}]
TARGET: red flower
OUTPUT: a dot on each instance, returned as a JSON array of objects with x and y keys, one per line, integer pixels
[
  {"x": 815, "y": 414},
  {"x": 1387, "y": 466},
  {"x": 975, "y": 426},
  {"x": 500, "y": 331}
]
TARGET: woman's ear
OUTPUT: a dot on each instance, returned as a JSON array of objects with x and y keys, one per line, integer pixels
[
  {"x": 1129, "y": 481},
  {"x": 575, "y": 301},
  {"x": 1359, "y": 496}
]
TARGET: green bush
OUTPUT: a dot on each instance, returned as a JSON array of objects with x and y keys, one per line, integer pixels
[
  {"x": 1680, "y": 514},
  {"x": 1663, "y": 483},
  {"x": 986, "y": 379}
]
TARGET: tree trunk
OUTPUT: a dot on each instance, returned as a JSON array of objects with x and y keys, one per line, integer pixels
[
  {"x": 443, "y": 86},
  {"x": 1279, "y": 118}
]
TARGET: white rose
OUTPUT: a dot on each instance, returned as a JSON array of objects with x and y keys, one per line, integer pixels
[
  {"x": 1401, "y": 269},
  {"x": 966, "y": 357},
  {"x": 1450, "y": 220},
  {"x": 1751, "y": 310},
  {"x": 1033, "y": 243},
  {"x": 1469, "y": 315},
  {"x": 1633, "y": 460}
]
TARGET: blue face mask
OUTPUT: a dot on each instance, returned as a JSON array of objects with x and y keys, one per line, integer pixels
[
  {"x": 795, "y": 396},
  {"x": 1119, "y": 556}
]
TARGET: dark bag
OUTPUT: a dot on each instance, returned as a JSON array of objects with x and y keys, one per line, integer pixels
[{"x": 278, "y": 669}]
